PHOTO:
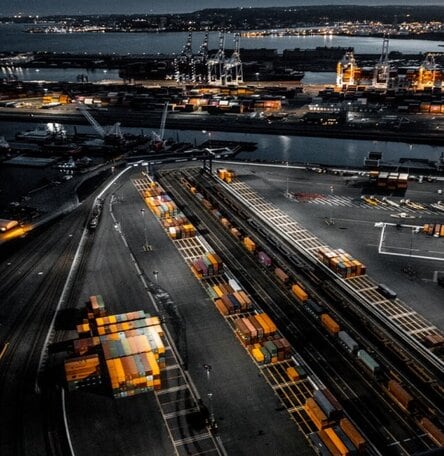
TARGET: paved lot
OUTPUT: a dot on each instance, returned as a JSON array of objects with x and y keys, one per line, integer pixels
[{"x": 354, "y": 229}]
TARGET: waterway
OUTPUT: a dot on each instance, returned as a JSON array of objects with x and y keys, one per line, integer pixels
[
  {"x": 13, "y": 38},
  {"x": 282, "y": 148}
]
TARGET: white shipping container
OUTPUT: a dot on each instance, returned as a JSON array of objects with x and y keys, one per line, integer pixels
[{"x": 234, "y": 285}]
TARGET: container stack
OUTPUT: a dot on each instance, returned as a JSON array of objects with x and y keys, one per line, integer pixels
[
  {"x": 86, "y": 345},
  {"x": 336, "y": 433},
  {"x": 83, "y": 372},
  {"x": 97, "y": 306},
  {"x": 129, "y": 346},
  {"x": 227, "y": 175},
  {"x": 341, "y": 262},
  {"x": 259, "y": 334},
  {"x": 134, "y": 359},
  {"x": 83, "y": 329},
  {"x": 433, "y": 229},
  {"x": 209, "y": 265},
  {"x": 229, "y": 298}
]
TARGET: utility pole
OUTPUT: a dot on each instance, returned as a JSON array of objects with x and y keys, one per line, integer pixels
[
  {"x": 331, "y": 207},
  {"x": 286, "y": 189},
  {"x": 212, "y": 423},
  {"x": 145, "y": 246}
]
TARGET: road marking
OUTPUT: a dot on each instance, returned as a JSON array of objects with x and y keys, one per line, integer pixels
[
  {"x": 65, "y": 421},
  {"x": 180, "y": 413},
  {"x": 5, "y": 347}
]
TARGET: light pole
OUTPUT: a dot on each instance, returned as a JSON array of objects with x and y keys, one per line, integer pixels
[
  {"x": 286, "y": 189},
  {"x": 145, "y": 245},
  {"x": 208, "y": 369},
  {"x": 331, "y": 207}
]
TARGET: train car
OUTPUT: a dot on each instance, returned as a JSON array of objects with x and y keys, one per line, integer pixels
[
  {"x": 348, "y": 342},
  {"x": 386, "y": 291},
  {"x": 315, "y": 309},
  {"x": 318, "y": 444},
  {"x": 369, "y": 362}
]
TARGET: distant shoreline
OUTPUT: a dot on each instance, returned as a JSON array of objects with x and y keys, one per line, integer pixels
[{"x": 221, "y": 123}]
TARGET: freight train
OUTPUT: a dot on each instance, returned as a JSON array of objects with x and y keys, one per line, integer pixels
[{"x": 391, "y": 387}]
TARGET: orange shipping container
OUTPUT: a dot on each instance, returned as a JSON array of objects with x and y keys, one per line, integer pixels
[
  {"x": 333, "y": 450},
  {"x": 299, "y": 292},
  {"x": 331, "y": 325},
  {"x": 263, "y": 322},
  {"x": 292, "y": 373},
  {"x": 352, "y": 433},
  {"x": 269, "y": 321},
  {"x": 339, "y": 444},
  {"x": 315, "y": 413}
]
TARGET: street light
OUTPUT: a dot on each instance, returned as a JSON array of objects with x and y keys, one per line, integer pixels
[
  {"x": 286, "y": 191},
  {"x": 331, "y": 207},
  {"x": 208, "y": 369},
  {"x": 145, "y": 245}
]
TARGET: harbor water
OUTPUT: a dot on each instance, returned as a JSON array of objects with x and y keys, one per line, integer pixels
[
  {"x": 14, "y": 38},
  {"x": 280, "y": 148}
]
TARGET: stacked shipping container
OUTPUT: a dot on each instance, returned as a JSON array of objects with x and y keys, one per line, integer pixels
[
  {"x": 130, "y": 345},
  {"x": 209, "y": 265},
  {"x": 341, "y": 262}
]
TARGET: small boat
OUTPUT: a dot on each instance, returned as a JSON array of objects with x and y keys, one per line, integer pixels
[{"x": 43, "y": 133}]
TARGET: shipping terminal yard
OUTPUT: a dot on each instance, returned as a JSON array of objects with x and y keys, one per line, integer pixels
[
  {"x": 167, "y": 297},
  {"x": 190, "y": 276}
]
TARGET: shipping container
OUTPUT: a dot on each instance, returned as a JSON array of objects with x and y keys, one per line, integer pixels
[
  {"x": 281, "y": 275},
  {"x": 318, "y": 445},
  {"x": 338, "y": 442},
  {"x": 269, "y": 321},
  {"x": 324, "y": 404},
  {"x": 433, "y": 431},
  {"x": 264, "y": 259},
  {"x": 369, "y": 362},
  {"x": 386, "y": 291},
  {"x": 313, "y": 308},
  {"x": 401, "y": 396},
  {"x": 330, "y": 324},
  {"x": 299, "y": 292},
  {"x": 352, "y": 450},
  {"x": 348, "y": 342},
  {"x": 353, "y": 434},
  {"x": 316, "y": 414},
  {"x": 234, "y": 285},
  {"x": 292, "y": 374}
]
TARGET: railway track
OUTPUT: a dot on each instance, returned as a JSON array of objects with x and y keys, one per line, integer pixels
[
  {"x": 285, "y": 313},
  {"x": 429, "y": 392}
]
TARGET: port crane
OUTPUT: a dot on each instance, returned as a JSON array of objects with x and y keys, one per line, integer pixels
[
  {"x": 184, "y": 63},
  {"x": 233, "y": 66},
  {"x": 381, "y": 74},
  {"x": 216, "y": 64},
  {"x": 112, "y": 135},
  {"x": 347, "y": 71}
]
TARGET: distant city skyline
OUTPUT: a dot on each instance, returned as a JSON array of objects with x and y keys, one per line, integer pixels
[{"x": 51, "y": 7}]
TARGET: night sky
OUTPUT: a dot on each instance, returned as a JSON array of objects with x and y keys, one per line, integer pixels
[{"x": 41, "y": 7}]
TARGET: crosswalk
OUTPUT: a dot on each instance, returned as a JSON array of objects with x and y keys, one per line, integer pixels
[{"x": 348, "y": 201}]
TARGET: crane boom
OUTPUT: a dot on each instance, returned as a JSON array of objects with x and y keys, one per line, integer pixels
[
  {"x": 163, "y": 121},
  {"x": 99, "y": 129}
]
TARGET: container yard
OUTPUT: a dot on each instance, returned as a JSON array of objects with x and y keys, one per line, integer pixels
[{"x": 254, "y": 329}]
